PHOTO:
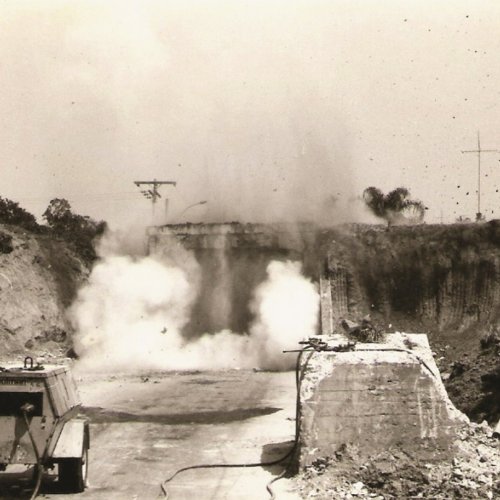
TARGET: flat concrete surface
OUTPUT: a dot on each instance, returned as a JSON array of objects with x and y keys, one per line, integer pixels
[{"x": 144, "y": 428}]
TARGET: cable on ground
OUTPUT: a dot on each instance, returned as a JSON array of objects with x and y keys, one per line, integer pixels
[
  {"x": 399, "y": 349},
  {"x": 299, "y": 373}
]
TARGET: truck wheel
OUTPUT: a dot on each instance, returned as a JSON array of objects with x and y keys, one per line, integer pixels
[{"x": 73, "y": 472}]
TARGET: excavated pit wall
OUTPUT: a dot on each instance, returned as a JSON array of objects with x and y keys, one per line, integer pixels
[
  {"x": 376, "y": 397},
  {"x": 440, "y": 279}
]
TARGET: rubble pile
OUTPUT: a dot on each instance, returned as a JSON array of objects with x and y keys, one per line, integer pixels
[
  {"x": 473, "y": 380},
  {"x": 364, "y": 331},
  {"x": 473, "y": 472}
]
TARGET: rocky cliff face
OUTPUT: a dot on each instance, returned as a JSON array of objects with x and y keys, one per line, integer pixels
[{"x": 38, "y": 281}]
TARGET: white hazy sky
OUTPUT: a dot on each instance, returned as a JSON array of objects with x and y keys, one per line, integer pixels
[{"x": 266, "y": 109}]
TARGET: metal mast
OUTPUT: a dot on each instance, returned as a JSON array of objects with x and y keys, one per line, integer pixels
[{"x": 479, "y": 151}]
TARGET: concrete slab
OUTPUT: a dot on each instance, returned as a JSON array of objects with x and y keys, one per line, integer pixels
[{"x": 145, "y": 428}]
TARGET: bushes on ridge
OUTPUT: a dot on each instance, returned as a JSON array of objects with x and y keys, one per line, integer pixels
[
  {"x": 77, "y": 229},
  {"x": 12, "y": 213}
]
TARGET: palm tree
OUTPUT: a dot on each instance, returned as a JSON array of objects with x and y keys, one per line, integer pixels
[{"x": 395, "y": 207}]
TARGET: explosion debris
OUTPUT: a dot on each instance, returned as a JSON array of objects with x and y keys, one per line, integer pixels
[
  {"x": 362, "y": 332},
  {"x": 473, "y": 473}
]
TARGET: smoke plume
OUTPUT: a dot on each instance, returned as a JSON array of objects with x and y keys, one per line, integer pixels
[
  {"x": 131, "y": 314},
  {"x": 286, "y": 310}
]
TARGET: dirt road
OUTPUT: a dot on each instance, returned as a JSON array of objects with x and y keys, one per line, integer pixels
[{"x": 143, "y": 428}]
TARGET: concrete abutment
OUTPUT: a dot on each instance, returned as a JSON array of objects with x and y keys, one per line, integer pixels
[{"x": 376, "y": 397}]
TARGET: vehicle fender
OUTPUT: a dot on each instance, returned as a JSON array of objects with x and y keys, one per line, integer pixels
[{"x": 74, "y": 438}]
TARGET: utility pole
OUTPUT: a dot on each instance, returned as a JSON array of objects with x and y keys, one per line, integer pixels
[
  {"x": 153, "y": 194},
  {"x": 479, "y": 216}
]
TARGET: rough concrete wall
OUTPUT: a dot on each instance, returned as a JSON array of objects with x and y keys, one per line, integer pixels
[
  {"x": 230, "y": 235},
  {"x": 326, "y": 305},
  {"x": 374, "y": 400},
  {"x": 233, "y": 259},
  {"x": 228, "y": 280}
]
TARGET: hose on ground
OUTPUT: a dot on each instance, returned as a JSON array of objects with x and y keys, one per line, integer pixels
[{"x": 299, "y": 373}]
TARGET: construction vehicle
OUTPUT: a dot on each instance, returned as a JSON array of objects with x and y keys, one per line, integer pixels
[{"x": 40, "y": 425}]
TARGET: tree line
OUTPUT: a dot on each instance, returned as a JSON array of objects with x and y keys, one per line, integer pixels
[
  {"x": 79, "y": 230},
  {"x": 395, "y": 207}
]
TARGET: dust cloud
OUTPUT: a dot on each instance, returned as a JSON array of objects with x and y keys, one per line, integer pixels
[
  {"x": 286, "y": 309},
  {"x": 131, "y": 314}
]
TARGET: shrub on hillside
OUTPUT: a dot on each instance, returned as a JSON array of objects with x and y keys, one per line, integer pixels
[
  {"x": 79, "y": 230},
  {"x": 12, "y": 213},
  {"x": 5, "y": 243}
]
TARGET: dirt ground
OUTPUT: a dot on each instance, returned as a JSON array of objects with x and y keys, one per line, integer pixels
[{"x": 143, "y": 428}]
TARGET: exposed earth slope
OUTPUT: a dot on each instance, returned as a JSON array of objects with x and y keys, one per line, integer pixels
[{"x": 39, "y": 276}]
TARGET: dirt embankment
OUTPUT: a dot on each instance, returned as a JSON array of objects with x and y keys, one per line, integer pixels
[
  {"x": 440, "y": 280},
  {"x": 39, "y": 276}
]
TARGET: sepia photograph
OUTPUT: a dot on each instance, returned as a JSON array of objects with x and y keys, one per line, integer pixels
[{"x": 249, "y": 249}]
